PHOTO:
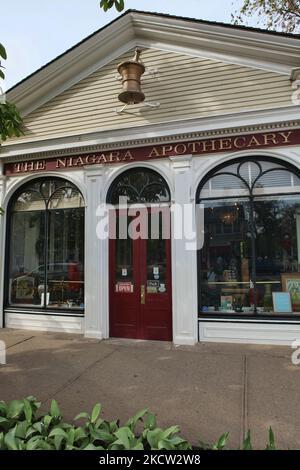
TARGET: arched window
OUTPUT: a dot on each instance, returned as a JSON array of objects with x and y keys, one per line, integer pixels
[
  {"x": 251, "y": 249},
  {"x": 139, "y": 185},
  {"x": 46, "y": 246}
]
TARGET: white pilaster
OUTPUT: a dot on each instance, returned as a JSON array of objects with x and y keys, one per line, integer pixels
[
  {"x": 96, "y": 260},
  {"x": 184, "y": 262},
  {"x": 2, "y": 243}
]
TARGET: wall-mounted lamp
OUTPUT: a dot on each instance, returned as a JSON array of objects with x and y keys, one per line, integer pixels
[{"x": 131, "y": 72}]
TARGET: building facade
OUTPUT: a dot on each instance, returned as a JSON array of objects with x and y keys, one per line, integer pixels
[{"x": 219, "y": 130}]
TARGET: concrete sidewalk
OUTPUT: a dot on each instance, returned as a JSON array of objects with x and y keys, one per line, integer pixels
[{"x": 208, "y": 389}]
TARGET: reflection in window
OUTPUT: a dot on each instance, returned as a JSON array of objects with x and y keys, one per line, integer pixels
[
  {"x": 252, "y": 239},
  {"x": 124, "y": 256},
  {"x": 225, "y": 260},
  {"x": 139, "y": 186},
  {"x": 157, "y": 257},
  {"x": 46, "y": 267}
]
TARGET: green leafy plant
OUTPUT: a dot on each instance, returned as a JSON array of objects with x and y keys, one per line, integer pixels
[
  {"x": 271, "y": 444},
  {"x": 247, "y": 444},
  {"x": 3, "y": 56},
  {"x": 10, "y": 119},
  {"x": 107, "y": 4},
  {"x": 23, "y": 427}
]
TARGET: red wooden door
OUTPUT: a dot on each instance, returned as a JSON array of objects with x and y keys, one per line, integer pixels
[{"x": 140, "y": 288}]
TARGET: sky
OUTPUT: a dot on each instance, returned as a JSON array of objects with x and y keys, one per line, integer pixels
[{"x": 35, "y": 32}]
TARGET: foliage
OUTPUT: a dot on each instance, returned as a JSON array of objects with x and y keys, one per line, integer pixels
[
  {"x": 247, "y": 442},
  {"x": 282, "y": 15},
  {"x": 10, "y": 119},
  {"x": 107, "y": 4},
  {"x": 22, "y": 427},
  {"x": 4, "y": 57}
]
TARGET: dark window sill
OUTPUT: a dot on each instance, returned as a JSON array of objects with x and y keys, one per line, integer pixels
[
  {"x": 36, "y": 311},
  {"x": 294, "y": 317}
]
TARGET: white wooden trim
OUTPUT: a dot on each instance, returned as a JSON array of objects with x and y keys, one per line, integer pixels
[
  {"x": 185, "y": 129},
  {"x": 248, "y": 332},
  {"x": 39, "y": 322}
]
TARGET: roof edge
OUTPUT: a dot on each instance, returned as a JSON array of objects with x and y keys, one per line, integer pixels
[{"x": 155, "y": 14}]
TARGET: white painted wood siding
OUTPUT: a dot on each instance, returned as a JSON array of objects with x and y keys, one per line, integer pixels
[{"x": 186, "y": 87}]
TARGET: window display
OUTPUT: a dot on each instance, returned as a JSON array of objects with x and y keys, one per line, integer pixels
[
  {"x": 252, "y": 238},
  {"x": 46, "y": 268}
]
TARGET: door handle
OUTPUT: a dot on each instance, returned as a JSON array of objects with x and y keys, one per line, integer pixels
[{"x": 143, "y": 295}]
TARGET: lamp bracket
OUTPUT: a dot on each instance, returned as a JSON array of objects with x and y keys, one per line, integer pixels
[
  {"x": 145, "y": 105},
  {"x": 153, "y": 72}
]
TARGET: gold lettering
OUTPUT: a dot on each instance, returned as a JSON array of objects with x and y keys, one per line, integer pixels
[
  {"x": 193, "y": 146},
  {"x": 28, "y": 166},
  {"x": 114, "y": 157},
  {"x": 225, "y": 144},
  {"x": 180, "y": 149},
  {"x": 102, "y": 158},
  {"x": 166, "y": 149},
  {"x": 127, "y": 156},
  {"x": 208, "y": 145},
  {"x": 270, "y": 139},
  {"x": 253, "y": 141},
  {"x": 61, "y": 162},
  {"x": 286, "y": 136},
  {"x": 78, "y": 162},
  {"x": 41, "y": 165},
  {"x": 18, "y": 167},
  {"x": 237, "y": 140},
  {"x": 154, "y": 153},
  {"x": 90, "y": 159}
]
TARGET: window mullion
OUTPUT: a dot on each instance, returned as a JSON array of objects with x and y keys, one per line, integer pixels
[
  {"x": 253, "y": 253},
  {"x": 46, "y": 249}
]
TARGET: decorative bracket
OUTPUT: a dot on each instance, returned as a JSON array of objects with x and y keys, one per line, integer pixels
[
  {"x": 295, "y": 75},
  {"x": 145, "y": 105},
  {"x": 151, "y": 71}
]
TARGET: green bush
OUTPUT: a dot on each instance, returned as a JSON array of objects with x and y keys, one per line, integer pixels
[{"x": 22, "y": 427}]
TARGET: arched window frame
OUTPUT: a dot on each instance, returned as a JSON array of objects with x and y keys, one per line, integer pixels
[
  {"x": 217, "y": 171},
  {"x": 29, "y": 186},
  {"x": 139, "y": 200}
]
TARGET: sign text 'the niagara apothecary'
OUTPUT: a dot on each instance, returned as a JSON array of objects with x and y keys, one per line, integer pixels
[{"x": 138, "y": 154}]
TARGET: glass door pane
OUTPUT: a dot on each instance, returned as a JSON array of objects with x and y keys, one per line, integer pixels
[
  {"x": 124, "y": 280},
  {"x": 157, "y": 251}
]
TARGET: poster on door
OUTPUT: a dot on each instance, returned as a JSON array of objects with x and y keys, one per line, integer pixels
[{"x": 124, "y": 287}]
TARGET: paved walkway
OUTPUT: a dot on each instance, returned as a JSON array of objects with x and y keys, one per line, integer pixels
[{"x": 207, "y": 389}]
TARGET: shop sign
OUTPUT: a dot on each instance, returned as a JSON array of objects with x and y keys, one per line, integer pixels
[
  {"x": 152, "y": 287},
  {"x": 148, "y": 153},
  {"x": 124, "y": 287}
]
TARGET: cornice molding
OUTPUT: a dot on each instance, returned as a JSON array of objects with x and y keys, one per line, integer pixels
[
  {"x": 73, "y": 66},
  {"x": 185, "y": 129},
  {"x": 282, "y": 52},
  {"x": 177, "y": 137}
]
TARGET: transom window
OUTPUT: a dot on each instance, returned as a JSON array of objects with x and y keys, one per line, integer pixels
[
  {"x": 250, "y": 261},
  {"x": 46, "y": 246},
  {"x": 139, "y": 185}
]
